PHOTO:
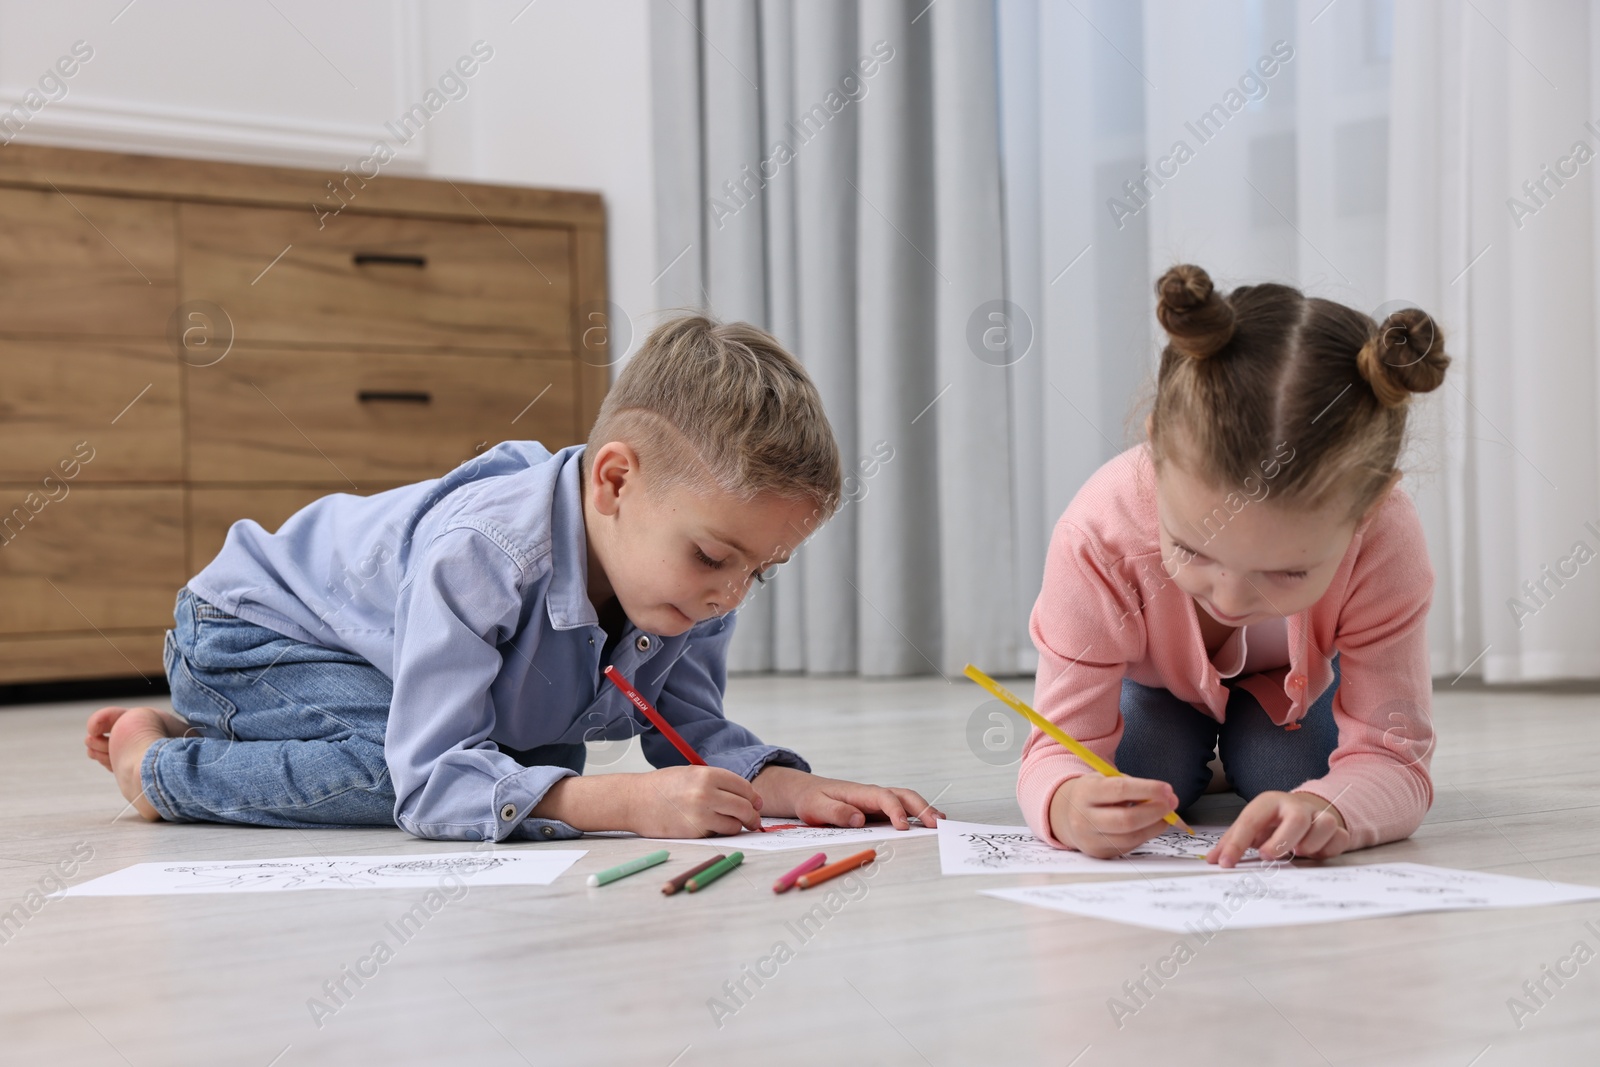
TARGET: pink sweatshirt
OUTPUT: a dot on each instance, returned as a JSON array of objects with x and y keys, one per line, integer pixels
[{"x": 1108, "y": 611}]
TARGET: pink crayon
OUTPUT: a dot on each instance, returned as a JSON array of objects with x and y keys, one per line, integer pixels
[{"x": 786, "y": 883}]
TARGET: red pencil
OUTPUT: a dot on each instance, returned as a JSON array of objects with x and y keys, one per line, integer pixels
[
  {"x": 834, "y": 870},
  {"x": 654, "y": 716},
  {"x": 786, "y": 883}
]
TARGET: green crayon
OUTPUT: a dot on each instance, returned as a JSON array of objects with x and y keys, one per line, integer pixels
[
  {"x": 622, "y": 870},
  {"x": 711, "y": 874}
]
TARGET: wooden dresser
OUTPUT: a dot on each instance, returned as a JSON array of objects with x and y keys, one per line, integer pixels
[{"x": 184, "y": 344}]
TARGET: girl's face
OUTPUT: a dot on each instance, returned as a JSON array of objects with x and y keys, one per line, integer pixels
[
  {"x": 1244, "y": 559},
  {"x": 673, "y": 557}
]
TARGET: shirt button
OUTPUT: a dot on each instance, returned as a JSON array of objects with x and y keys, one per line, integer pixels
[
  {"x": 508, "y": 812},
  {"x": 643, "y": 643},
  {"x": 548, "y": 831},
  {"x": 1297, "y": 680}
]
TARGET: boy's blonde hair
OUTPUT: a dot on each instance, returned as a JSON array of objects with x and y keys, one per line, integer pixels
[{"x": 708, "y": 404}]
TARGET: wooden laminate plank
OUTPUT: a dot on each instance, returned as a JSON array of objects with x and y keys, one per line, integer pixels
[
  {"x": 206, "y": 181},
  {"x": 601, "y": 331},
  {"x": 89, "y": 411},
  {"x": 79, "y": 656},
  {"x": 347, "y": 420},
  {"x": 907, "y": 968},
  {"x": 85, "y": 264},
  {"x": 392, "y": 281},
  {"x": 100, "y": 557}
]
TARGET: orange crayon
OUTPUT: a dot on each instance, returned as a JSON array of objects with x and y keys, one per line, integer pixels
[{"x": 834, "y": 870}]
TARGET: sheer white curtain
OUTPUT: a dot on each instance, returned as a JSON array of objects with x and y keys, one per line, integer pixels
[
  {"x": 964, "y": 257},
  {"x": 831, "y": 170},
  {"x": 1492, "y": 223},
  {"x": 1247, "y": 137}
]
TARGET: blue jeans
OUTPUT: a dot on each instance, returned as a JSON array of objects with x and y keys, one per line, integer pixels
[
  {"x": 287, "y": 734},
  {"x": 1168, "y": 739}
]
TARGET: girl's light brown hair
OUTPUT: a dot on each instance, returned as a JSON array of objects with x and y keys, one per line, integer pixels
[
  {"x": 1266, "y": 365},
  {"x": 708, "y": 404}
]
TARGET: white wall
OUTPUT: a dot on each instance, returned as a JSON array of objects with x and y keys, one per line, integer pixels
[
  {"x": 563, "y": 101},
  {"x": 571, "y": 107}
]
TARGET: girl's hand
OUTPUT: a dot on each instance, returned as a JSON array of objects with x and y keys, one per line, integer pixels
[
  {"x": 1105, "y": 817},
  {"x": 821, "y": 801},
  {"x": 1280, "y": 825}
]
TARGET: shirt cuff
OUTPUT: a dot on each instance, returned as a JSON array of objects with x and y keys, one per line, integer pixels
[
  {"x": 751, "y": 761},
  {"x": 517, "y": 794}
]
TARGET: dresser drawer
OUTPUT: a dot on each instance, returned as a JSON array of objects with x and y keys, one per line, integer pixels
[
  {"x": 117, "y": 404},
  {"x": 379, "y": 281},
  {"x": 95, "y": 558},
  {"x": 348, "y": 419},
  {"x": 79, "y": 264},
  {"x": 59, "y": 657},
  {"x": 213, "y": 511}
]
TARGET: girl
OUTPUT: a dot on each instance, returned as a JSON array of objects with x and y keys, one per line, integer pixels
[{"x": 1251, "y": 582}]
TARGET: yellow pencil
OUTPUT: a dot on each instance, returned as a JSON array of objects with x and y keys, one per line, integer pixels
[{"x": 1066, "y": 739}]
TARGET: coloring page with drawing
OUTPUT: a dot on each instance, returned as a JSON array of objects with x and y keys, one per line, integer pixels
[
  {"x": 425, "y": 870},
  {"x": 1280, "y": 895},
  {"x": 975, "y": 848}
]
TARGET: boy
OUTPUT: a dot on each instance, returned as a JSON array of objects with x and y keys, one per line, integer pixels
[{"x": 431, "y": 656}]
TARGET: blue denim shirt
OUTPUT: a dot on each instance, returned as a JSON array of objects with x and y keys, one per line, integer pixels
[{"x": 470, "y": 591}]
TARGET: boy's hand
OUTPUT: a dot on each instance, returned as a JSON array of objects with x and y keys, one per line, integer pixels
[
  {"x": 693, "y": 802},
  {"x": 1281, "y": 825},
  {"x": 1105, "y": 817},
  {"x": 830, "y": 802}
]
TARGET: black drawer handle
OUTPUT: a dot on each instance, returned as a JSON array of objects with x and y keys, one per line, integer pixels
[
  {"x": 403, "y": 396},
  {"x": 364, "y": 258}
]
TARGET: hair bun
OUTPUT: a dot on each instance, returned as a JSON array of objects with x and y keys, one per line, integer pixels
[
  {"x": 1406, "y": 355},
  {"x": 1197, "y": 319}
]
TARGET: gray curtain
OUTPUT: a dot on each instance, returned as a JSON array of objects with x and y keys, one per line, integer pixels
[{"x": 831, "y": 170}]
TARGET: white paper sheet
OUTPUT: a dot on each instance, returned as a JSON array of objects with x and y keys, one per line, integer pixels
[
  {"x": 975, "y": 848},
  {"x": 416, "y": 871},
  {"x": 821, "y": 838},
  {"x": 1279, "y": 895}
]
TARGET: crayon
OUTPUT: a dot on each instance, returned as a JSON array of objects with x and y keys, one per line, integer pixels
[
  {"x": 715, "y": 871},
  {"x": 786, "y": 883},
  {"x": 634, "y": 866},
  {"x": 834, "y": 870},
  {"x": 677, "y": 883}
]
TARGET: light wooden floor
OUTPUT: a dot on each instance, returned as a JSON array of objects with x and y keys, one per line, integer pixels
[{"x": 920, "y": 970}]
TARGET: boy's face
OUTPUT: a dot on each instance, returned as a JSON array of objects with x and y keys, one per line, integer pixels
[{"x": 674, "y": 557}]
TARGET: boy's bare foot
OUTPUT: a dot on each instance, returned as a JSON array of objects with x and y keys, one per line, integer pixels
[
  {"x": 132, "y": 732},
  {"x": 97, "y": 735}
]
